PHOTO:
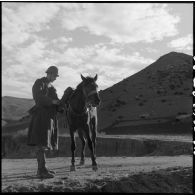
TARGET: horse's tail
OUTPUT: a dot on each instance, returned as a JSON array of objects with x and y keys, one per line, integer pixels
[{"x": 66, "y": 118}]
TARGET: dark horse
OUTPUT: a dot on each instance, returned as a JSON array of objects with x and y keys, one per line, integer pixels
[{"x": 82, "y": 116}]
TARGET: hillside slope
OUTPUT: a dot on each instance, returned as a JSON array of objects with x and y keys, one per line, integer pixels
[
  {"x": 160, "y": 92},
  {"x": 15, "y": 108}
]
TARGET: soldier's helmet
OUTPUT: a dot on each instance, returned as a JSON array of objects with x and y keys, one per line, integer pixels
[{"x": 53, "y": 69}]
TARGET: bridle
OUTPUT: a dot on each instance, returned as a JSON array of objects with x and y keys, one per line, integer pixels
[
  {"x": 89, "y": 94},
  {"x": 87, "y": 106}
]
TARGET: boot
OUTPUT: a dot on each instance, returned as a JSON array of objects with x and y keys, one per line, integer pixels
[
  {"x": 43, "y": 174},
  {"x": 50, "y": 171},
  {"x": 42, "y": 171}
]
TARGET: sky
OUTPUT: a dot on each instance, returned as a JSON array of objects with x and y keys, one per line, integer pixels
[{"x": 112, "y": 40}]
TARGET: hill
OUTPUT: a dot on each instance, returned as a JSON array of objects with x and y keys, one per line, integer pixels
[
  {"x": 158, "y": 94},
  {"x": 15, "y": 108}
]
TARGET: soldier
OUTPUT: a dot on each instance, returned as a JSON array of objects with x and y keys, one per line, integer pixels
[{"x": 43, "y": 128}]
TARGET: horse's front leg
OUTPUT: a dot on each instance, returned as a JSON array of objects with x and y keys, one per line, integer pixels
[
  {"x": 73, "y": 147},
  {"x": 93, "y": 127},
  {"x": 93, "y": 159}
]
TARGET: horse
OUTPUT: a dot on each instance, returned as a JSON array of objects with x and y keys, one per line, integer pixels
[{"x": 82, "y": 117}]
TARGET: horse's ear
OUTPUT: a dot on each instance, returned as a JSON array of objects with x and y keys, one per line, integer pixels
[
  {"x": 95, "y": 78},
  {"x": 83, "y": 78}
]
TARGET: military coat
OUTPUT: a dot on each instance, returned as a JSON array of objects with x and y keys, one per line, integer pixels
[{"x": 43, "y": 127}]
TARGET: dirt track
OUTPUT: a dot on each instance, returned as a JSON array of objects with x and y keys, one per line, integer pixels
[{"x": 115, "y": 174}]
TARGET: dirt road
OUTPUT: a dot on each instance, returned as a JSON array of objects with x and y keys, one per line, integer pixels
[{"x": 115, "y": 174}]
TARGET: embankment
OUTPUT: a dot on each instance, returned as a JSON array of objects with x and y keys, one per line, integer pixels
[{"x": 16, "y": 147}]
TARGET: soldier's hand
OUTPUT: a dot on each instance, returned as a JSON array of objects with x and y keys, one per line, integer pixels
[{"x": 56, "y": 102}]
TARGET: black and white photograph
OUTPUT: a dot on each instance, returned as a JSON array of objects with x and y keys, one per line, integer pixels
[{"x": 97, "y": 96}]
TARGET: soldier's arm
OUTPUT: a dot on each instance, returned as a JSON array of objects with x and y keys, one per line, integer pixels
[{"x": 53, "y": 94}]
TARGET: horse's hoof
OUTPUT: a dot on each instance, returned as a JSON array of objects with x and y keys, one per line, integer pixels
[
  {"x": 94, "y": 167},
  {"x": 72, "y": 168}
]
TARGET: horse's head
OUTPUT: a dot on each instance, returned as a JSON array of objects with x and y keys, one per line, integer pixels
[{"x": 90, "y": 90}]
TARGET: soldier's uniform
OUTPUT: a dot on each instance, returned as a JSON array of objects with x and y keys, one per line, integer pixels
[{"x": 43, "y": 127}]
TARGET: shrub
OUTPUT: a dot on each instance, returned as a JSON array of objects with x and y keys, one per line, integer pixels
[
  {"x": 120, "y": 102},
  {"x": 178, "y": 93},
  {"x": 181, "y": 113},
  {"x": 158, "y": 92},
  {"x": 172, "y": 86}
]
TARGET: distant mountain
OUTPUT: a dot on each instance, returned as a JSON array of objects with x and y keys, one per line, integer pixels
[
  {"x": 159, "y": 93},
  {"x": 15, "y": 108}
]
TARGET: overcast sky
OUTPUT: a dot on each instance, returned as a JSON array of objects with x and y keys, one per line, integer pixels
[{"x": 114, "y": 40}]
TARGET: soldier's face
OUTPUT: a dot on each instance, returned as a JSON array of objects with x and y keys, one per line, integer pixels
[{"x": 52, "y": 77}]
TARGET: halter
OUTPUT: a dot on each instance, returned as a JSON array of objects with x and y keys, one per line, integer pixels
[{"x": 91, "y": 93}]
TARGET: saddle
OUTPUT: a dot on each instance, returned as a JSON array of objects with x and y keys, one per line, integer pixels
[
  {"x": 66, "y": 98},
  {"x": 68, "y": 94}
]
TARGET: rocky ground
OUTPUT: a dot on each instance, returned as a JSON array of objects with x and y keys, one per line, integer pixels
[{"x": 115, "y": 174}]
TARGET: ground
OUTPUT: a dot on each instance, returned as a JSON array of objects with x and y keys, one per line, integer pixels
[{"x": 114, "y": 174}]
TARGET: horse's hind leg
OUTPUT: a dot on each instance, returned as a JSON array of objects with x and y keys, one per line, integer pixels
[
  {"x": 73, "y": 147},
  {"x": 82, "y": 161}
]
